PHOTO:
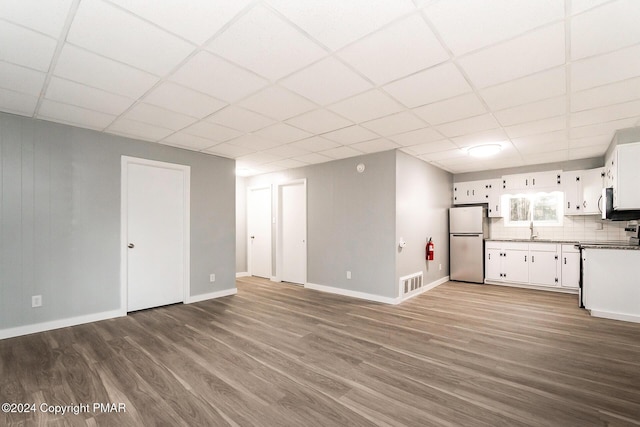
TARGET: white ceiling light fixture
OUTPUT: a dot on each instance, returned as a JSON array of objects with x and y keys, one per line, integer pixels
[{"x": 484, "y": 150}]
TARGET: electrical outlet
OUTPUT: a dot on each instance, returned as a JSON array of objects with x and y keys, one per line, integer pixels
[
  {"x": 212, "y": 278},
  {"x": 36, "y": 301},
  {"x": 348, "y": 275}
]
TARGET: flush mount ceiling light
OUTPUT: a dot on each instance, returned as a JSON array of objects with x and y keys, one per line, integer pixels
[{"x": 485, "y": 150}]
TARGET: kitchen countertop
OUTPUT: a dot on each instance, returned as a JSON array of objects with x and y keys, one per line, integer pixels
[{"x": 585, "y": 244}]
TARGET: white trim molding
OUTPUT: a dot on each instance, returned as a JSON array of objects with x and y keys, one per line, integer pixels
[
  {"x": 615, "y": 316},
  {"x": 211, "y": 295},
  {"x": 374, "y": 297},
  {"x": 242, "y": 274},
  {"x": 61, "y": 323}
]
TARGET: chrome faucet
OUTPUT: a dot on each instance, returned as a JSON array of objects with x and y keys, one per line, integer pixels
[{"x": 532, "y": 236}]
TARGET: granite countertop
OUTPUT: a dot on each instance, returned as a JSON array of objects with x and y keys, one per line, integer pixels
[{"x": 585, "y": 244}]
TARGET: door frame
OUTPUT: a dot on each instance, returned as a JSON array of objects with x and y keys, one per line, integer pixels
[
  {"x": 249, "y": 245},
  {"x": 124, "y": 225},
  {"x": 279, "y": 226}
]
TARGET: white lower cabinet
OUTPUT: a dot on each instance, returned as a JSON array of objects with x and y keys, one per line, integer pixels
[
  {"x": 536, "y": 263},
  {"x": 570, "y": 264}
]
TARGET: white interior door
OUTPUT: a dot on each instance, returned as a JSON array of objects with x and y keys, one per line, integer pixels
[
  {"x": 293, "y": 237},
  {"x": 156, "y": 223},
  {"x": 259, "y": 231}
]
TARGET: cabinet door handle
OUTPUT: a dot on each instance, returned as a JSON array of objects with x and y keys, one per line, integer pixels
[
  {"x": 525, "y": 258},
  {"x": 568, "y": 205},
  {"x": 565, "y": 260},
  {"x": 584, "y": 204},
  {"x": 533, "y": 259},
  {"x": 467, "y": 192},
  {"x": 526, "y": 182},
  {"x": 489, "y": 256},
  {"x": 473, "y": 192},
  {"x": 534, "y": 181}
]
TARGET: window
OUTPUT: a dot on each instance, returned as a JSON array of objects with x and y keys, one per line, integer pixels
[{"x": 541, "y": 208}]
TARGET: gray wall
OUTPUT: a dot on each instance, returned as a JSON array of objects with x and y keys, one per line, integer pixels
[
  {"x": 423, "y": 199},
  {"x": 60, "y": 219},
  {"x": 241, "y": 225},
  {"x": 571, "y": 165},
  {"x": 350, "y": 222}
]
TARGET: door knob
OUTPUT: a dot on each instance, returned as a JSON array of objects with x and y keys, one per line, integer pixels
[
  {"x": 131, "y": 246},
  {"x": 253, "y": 237}
]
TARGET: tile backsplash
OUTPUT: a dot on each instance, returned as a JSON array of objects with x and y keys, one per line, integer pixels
[{"x": 574, "y": 228}]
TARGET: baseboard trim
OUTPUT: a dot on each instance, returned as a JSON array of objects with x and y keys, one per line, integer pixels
[
  {"x": 350, "y": 293},
  {"x": 211, "y": 295},
  {"x": 533, "y": 287},
  {"x": 426, "y": 288},
  {"x": 61, "y": 323},
  {"x": 615, "y": 316},
  {"x": 242, "y": 274}
]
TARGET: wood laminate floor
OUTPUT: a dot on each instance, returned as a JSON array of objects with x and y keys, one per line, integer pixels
[{"x": 279, "y": 355}]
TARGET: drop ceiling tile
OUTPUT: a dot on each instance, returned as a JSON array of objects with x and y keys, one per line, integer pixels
[
  {"x": 546, "y": 84},
  {"x": 433, "y": 147},
  {"x": 452, "y": 109},
  {"x": 547, "y": 157},
  {"x": 535, "y": 51},
  {"x": 191, "y": 142},
  {"x": 17, "y": 103},
  {"x": 396, "y": 51},
  {"x": 88, "y": 68},
  {"x": 282, "y": 133},
  {"x": 467, "y": 25},
  {"x": 195, "y": 20},
  {"x": 438, "y": 156},
  {"x": 541, "y": 142},
  {"x": 262, "y": 42},
  {"x": 216, "y": 77},
  {"x": 326, "y": 82},
  {"x": 437, "y": 83},
  {"x": 138, "y": 130},
  {"x": 615, "y": 93},
  {"x": 319, "y": 121},
  {"x": 484, "y": 137},
  {"x": 336, "y": 23},
  {"x": 315, "y": 143},
  {"x": 277, "y": 103},
  {"x": 114, "y": 33},
  {"x": 240, "y": 119},
  {"x": 395, "y": 124},
  {"x": 366, "y": 106},
  {"x": 590, "y": 141},
  {"x": 538, "y": 126},
  {"x": 608, "y": 68},
  {"x": 26, "y": 47},
  {"x": 419, "y": 136},
  {"x": 607, "y": 28},
  {"x": 533, "y": 111},
  {"x": 71, "y": 114},
  {"x": 254, "y": 142},
  {"x": 266, "y": 168},
  {"x": 183, "y": 100},
  {"x": 212, "y": 131},
  {"x": 150, "y": 114},
  {"x": 587, "y": 152},
  {"x": 69, "y": 92},
  {"x": 228, "y": 150},
  {"x": 578, "y": 6},
  {"x": 286, "y": 151},
  {"x": 42, "y": 16},
  {"x": 20, "y": 79},
  {"x": 468, "y": 126},
  {"x": 350, "y": 135},
  {"x": 375, "y": 145},
  {"x": 607, "y": 128},
  {"x": 313, "y": 158},
  {"x": 341, "y": 152},
  {"x": 258, "y": 158},
  {"x": 288, "y": 164},
  {"x": 606, "y": 114}
]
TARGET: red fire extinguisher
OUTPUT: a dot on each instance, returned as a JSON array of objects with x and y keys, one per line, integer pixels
[{"x": 430, "y": 250}]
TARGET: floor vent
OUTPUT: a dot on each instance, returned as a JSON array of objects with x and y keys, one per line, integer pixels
[{"x": 410, "y": 284}]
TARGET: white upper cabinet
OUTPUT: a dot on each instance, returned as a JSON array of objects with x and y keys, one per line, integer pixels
[
  {"x": 543, "y": 181},
  {"x": 476, "y": 192},
  {"x": 582, "y": 191},
  {"x": 622, "y": 172}
]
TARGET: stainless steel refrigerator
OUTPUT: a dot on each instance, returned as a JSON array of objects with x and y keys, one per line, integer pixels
[{"x": 467, "y": 230}]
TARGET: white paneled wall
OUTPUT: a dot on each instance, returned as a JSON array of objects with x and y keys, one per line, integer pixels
[{"x": 574, "y": 228}]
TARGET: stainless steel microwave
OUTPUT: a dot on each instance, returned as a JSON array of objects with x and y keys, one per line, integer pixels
[{"x": 608, "y": 212}]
